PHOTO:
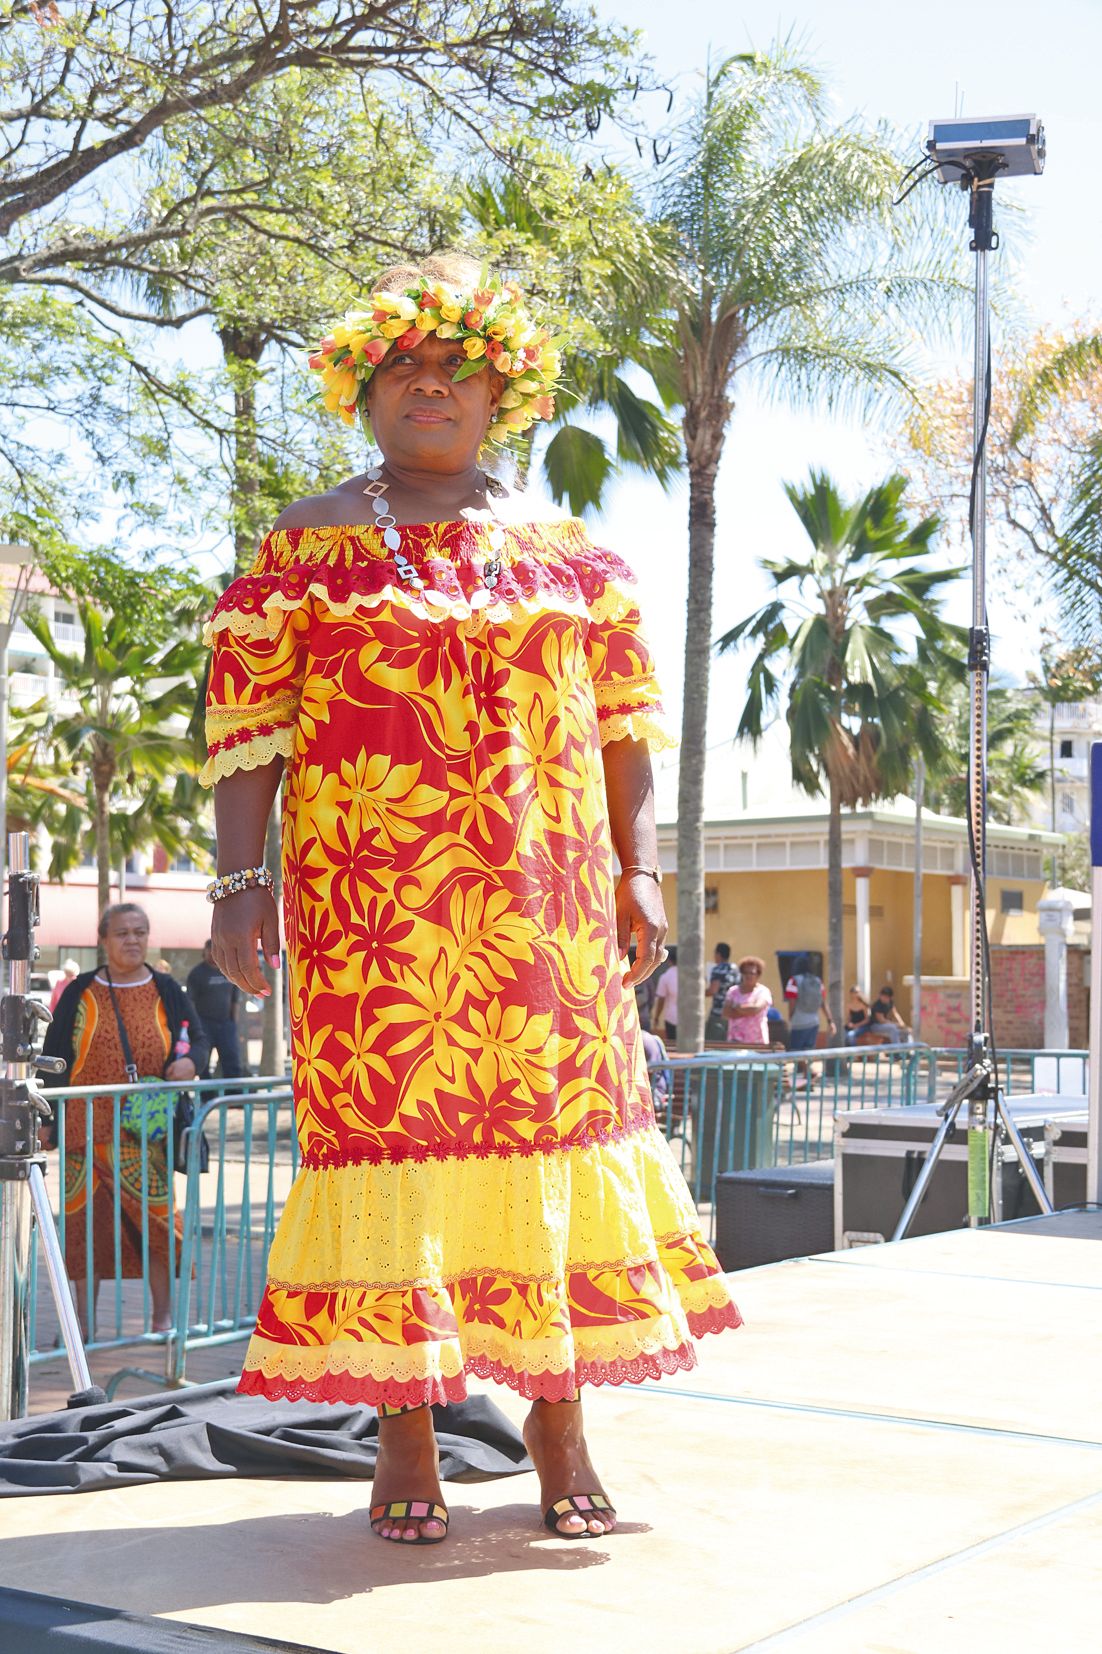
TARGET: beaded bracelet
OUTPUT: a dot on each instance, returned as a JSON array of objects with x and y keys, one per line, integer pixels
[{"x": 246, "y": 878}]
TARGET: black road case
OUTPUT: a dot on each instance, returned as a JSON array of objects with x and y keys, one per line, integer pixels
[
  {"x": 879, "y": 1154},
  {"x": 774, "y": 1212},
  {"x": 1066, "y": 1160}
]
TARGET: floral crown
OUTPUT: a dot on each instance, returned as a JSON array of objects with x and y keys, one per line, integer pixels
[{"x": 491, "y": 322}]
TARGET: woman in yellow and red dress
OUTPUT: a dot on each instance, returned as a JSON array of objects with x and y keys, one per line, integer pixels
[{"x": 464, "y": 702}]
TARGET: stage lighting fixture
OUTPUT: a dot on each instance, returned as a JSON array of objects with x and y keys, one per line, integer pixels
[{"x": 1010, "y": 147}]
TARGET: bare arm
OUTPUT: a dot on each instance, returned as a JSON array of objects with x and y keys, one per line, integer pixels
[
  {"x": 629, "y": 785},
  {"x": 242, "y": 804}
]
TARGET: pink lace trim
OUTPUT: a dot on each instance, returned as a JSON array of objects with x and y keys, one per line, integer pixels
[
  {"x": 344, "y": 1389},
  {"x": 325, "y": 1158}
]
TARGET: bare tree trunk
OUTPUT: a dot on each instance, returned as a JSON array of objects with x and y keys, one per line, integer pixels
[
  {"x": 916, "y": 991},
  {"x": 694, "y": 739},
  {"x": 103, "y": 774},
  {"x": 242, "y": 348},
  {"x": 835, "y": 959}
]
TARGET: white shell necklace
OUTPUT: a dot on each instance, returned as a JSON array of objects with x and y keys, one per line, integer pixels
[{"x": 490, "y": 571}]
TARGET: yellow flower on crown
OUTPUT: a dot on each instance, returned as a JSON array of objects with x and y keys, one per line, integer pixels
[{"x": 491, "y": 322}]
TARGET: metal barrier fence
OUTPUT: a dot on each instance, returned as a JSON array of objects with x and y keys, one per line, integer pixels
[
  {"x": 721, "y": 1112},
  {"x": 725, "y": 1111},
  {"x": 150, "y": 1232}
]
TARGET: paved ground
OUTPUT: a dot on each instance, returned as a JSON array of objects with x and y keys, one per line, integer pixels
[{"x": 901, "y": 1453}]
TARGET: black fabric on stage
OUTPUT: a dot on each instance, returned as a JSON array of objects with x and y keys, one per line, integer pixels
[
  {"x": 31, "y": 1624},
  {"x": 214, "y": 1433}
]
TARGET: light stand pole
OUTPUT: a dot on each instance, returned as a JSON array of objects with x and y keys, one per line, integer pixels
[
  {"x": 22, "y": 558},
  {"x": 979, "y": 1087},
  {"x": 24, "y": 1201}
]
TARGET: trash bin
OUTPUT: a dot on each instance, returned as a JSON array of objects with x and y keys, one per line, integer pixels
[{"x": 734, "y": 1117}]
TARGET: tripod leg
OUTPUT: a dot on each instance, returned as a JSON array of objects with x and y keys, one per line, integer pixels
[
  {"x": 87, "y": 1393},
  {"x": 15, "y": 1274},
  {"x": 914, "y": 1199},
  {"x": 1025, "y": 1159}
]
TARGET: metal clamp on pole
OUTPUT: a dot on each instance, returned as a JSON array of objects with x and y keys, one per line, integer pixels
[{"x": 24, "y": 1201}]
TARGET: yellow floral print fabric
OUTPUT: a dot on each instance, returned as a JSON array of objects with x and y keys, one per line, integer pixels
[{"x": 483, "y": 1186}]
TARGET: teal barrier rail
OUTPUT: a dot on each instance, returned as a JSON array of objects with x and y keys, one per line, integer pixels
[
  {"x": 721, "y": 1112},
  {"x": 725, "y": 1111},
  {"x": 228, "y": 1229},
  {"x": 1021, "y": 1072},
  {"x": 136, "y": 1247}
]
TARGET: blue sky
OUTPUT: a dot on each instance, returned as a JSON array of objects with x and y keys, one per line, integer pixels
[{"x": 906, "y": 64}]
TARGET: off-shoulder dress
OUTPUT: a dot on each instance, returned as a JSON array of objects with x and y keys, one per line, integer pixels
[{"x": 483, "y": 1187}]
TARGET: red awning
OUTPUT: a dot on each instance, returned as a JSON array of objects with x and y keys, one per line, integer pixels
[{"x": 70, "y": 915}]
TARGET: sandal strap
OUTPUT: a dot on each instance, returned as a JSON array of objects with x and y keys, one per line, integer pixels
[
  {"x": 386, "y": 1411},
  {"x": 409, "y": 1510},
  {"x": 575, "y": 1504}
]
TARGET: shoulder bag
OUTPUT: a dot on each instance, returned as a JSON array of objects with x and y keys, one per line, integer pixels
[{"x": 148, "y": 1112}]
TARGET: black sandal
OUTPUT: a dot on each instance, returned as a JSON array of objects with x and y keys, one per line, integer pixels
[
  {"x": 576, "y": 1504},
  {"x": 407, "y": 1510},
  {"x": 410, "y": 1510}
]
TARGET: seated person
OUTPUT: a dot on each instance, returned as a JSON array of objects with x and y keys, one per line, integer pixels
[
  {"x": 746, "y": 1005},
  {"x": 776, "y": 1029},
  {"x": 886, "y": 998},
  {"x": 857, "y": 1014},
  {"x": 880, "y": 1029}
]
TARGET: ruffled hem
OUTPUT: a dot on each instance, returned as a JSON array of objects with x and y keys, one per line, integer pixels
[
  {"x": 347, "y": 1388},
  {"x": 642, "y": 724},
  {"x": 248, "y": 754},
  {"x": 350, "y": 570}
]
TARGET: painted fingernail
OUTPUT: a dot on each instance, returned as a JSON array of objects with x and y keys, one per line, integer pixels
[{"x": 273, "y": 960}]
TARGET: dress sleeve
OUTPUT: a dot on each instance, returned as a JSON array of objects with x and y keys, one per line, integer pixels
[
  {"x": 629, "y": 700},
  {"x": 253, "y": 695}
]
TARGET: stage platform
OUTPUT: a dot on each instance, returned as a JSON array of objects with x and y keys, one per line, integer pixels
[{"x": 901, "y": 1452}]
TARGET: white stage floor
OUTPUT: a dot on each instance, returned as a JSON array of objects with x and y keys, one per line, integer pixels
[{"x": 901, "y": 1453}]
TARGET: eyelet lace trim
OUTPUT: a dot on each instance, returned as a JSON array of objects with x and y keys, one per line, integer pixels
[
  {"x": 642, "y": 724},
  {"x": 250, "y": 754},
  {"x": 419, "y": 1373},
  {"x": 589, "y": 1266}
]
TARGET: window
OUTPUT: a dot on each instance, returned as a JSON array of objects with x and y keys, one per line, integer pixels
[
  {"x": 1011, "y": 901},
  {"x": 1067, "y": 804},
  {"x": 711, "y": 898},
  {"x": 1067, "y": 749},
  {"x": 182, "y": 864},
  {"x": 65, "y": 617}
]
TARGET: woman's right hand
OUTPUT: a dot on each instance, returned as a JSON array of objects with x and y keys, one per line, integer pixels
[{"x": 240, "y": 923}]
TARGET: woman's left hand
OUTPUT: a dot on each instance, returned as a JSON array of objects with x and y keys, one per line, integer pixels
[
  {"x": 640, "y": 913},
  {"x": 181, "y": 1069}
]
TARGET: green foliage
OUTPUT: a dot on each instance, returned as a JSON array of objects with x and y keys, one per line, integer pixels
[
  {"x": 853, "y": 635},
  {"x": 793, "y": 262},
  {"x": 118, "y": 739},
  {"x": 581, "y": 243},
  {"x": 108, "y": 87},
  {"x": 1016, "y": 767}
]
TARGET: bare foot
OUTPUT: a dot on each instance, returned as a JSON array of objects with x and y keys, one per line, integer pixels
[
  {"x": 408, "y": 1467},
  {"x": 555, "y": 1441}
]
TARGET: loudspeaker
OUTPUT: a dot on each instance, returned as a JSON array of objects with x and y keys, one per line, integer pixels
[{"x": 773, "y": 1213}]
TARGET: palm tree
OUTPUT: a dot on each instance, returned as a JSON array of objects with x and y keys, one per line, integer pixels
[
  {"x": 1074, "y": 553},
  {"x": 834, "y": 643},
  {"x": 1015, "y": 764},
  {"x": 130, "y": 688},
  {"x": 791, "y": 271},
  {"x": 583, "y": 248}
]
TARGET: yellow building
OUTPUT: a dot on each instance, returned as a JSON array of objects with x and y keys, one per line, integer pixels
[{"x": 766, "y": 875}]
